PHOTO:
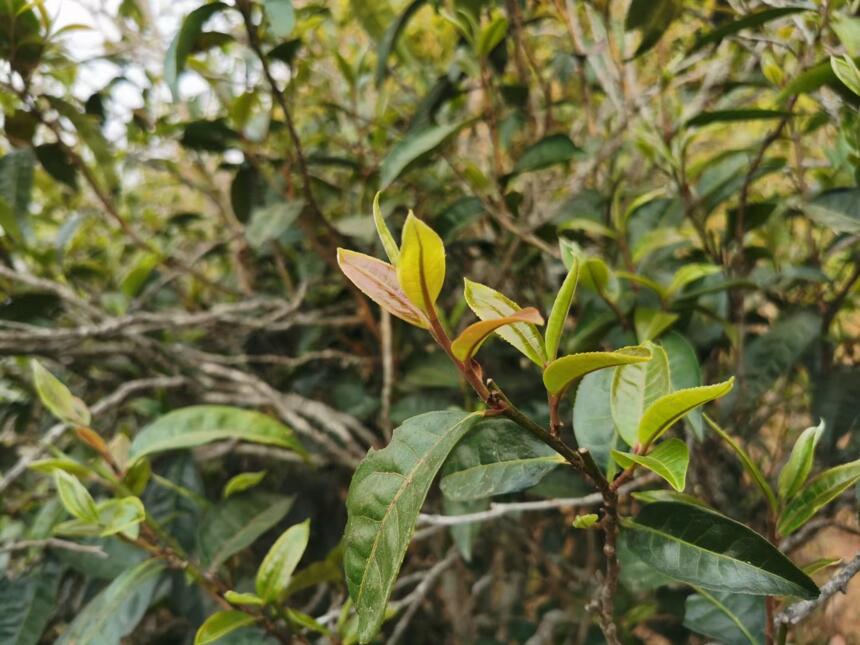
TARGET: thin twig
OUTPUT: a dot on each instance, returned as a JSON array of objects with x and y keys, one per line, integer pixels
[{"x": 793, "y": 614}]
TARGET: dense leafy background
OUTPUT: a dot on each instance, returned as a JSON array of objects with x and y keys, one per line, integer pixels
[{"x": 171, "y": 205}]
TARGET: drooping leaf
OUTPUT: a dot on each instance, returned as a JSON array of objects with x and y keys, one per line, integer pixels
[
  {"x": 592, "y": 417},
  {"x": 489, "y": 304},
  {"x": 117, "y": 609},
  {"x": 496, "y": 458},
  {"x": 669, "y": 459},
  {"x": 684, "y": 372},
  {"x": 242, "y": 482},
  {"x": 748, "y": 464},
  {"x": 75, "y": 498},
  {"x": 470, "y": 339},
  {"x": 277, "y": 567},
  {"x": 795, "y": 471},
  {"x": 731, "y": 116},
  {"x": 389, "y": 41},
  {"x": 820, "y": 491},
  {"x": 385, "y": 497},
  {"x": 221, "y": 623},
  {"x": 668, "y": 409},
  {"x": 750, "y": 21},
  {"x": 650, "y": 323},
  {"x": 237, "y": 522},
  {"x": 708, "y": 550},
  {"x": 421, "y": 264},
  {"x": 385, "y": 236},
  {"x": 635, "y": 387},
  {"x": 549, "y": 151},
  {"x": 282, "y": 17},
  {"x": 652, "y": 18},
  {"x": 183, "y": 43},
  {"x": 837, "y": 209},
  {"x": 562, "y": 372},
  {"x": 411, "y": 148},
  {"x": 56, "y": 397},
  {"x": 201, "y": 424},
  {"x": 378, "y": 281},
  {"x": 27, "y": 604},
  {"x": 560, "y": 310},
  {"x": 730, "y": 618},
  {"x": 56, "y": 163}
]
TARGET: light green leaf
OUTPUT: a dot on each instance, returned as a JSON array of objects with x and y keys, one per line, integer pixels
[
  {"x": 272, "y": 221},
  {"x": 663, "y": 495},
  {"x": 711, "y": 551},
  {"x": 684, "y": 372},
  {"x": 121, "y": 516},
  {"x": 27, "y": 604},
  {"x": 56, "y": 397},
  {"x": 847, "y": 72},
  {"x": 489, "y": 304},
  {"x": 635, "y": 387},
  {"x": 183, "y": 43},
  {"x": 491, "y": 36},
  {"x": 236, "y": 598},
  {"x": 75, "y": 498},
  {"x": 669, "y": 459},
  {"x": 730, "y": 618},
  {"x": 585, "y": 521},
  {"x": 650, "y": 323},
  {"x": 470, "y": 339},
  {"x": 799, "y": 464},
  {"x": 670, "y": 408},
  {"x": 820, "y": 491},
  {"x": 414, "y": 146},
  {"x": 560, "y": 310},
  {"x": 385, "y": 236},
  {"x": 549, "y": 151},
  {"x": 236, "y": 524},
  {"x": 117, "y": 609},
  {"x": 48, "y": 466},
  {"x": 274, "y": 573},
  {"x": 848, "y": 30},
  {"x": 562, "y": 372},
  {"x": 385, "y": 497},
  {"x": 202, "y": 424},
  {"x": 496, "y": 458},
  {"x": 282, "y": 17},
  {"x": 748, "y": 464},
  {"x": 242, "y": 482},
  {"x": 221, "y": 623},
  {"x": 421, "y": 264},
  {"x": 690, "y": 273}
]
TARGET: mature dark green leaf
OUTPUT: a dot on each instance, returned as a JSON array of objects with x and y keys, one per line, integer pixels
[
  {"x": 706, "y": 549},
  {"x": 183, "y": 43},
  {"x": 413, "y": 147},
  {"x": 237, "y": 522},
  {"x": 270, "y": 222},
  {"x": 385, "y": 497},
  {"x": 728, "y": 617},
  {"x": 592, "y": 416},
  {"x": 53, "y": 158},
  {"x": 211, "y": 136},
  {"x": 389, "y": 40},
  {"x": 652, "y": 18},
  {"x": 838, "y": 209},
  {"x": 549, "y": 151},
  {"x": 201, "y": 424},
  {"x": 117, "y": 609},
  {"x": 497, "y": 457},
  {"x": 27, "y": 604},
  {"x": 750, "y": 21},
  {"x": 16, "y": 183},
  {"x": 730, "y": 116},
  {"x": 820, "y": 491}
]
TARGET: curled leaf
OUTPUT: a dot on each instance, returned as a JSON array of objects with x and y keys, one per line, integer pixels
[
  {"x": 470, "y": 340},
  {"x": 562, "y": 372},
  {"x": 378, "y": 281}
]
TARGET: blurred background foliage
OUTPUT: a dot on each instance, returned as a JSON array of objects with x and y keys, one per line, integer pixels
[{"x": 175, "y": 180}]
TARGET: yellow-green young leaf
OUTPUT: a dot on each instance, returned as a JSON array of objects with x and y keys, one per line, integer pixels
[
  {"x": 491, "y": 36},
  {"x": 585, "y": 521},
  {"x": 243, "y": 481},
  {"x": 650, "y": 323},
  {"x": 75, "y": 498},
  {"x": 846, "y": 71},
  {"x": 221, "y": 623},
  {"x": 385, "y": 236},
  {"x": 378, "y": 281},
  {"x": 690, "y": 273},
  {"x": 668, "y": 409},
  {"x": 562, "y": 372},
  {"x": 489, "y": 304},
  {"x": 49, "y": 465},
  {"x": 470, "y": 340},
  {"x": 277, "y": 567},
  {"x": 560, "y": 309},
  {"x": 57, "y": 398},
  {"x": 748, "y": 464},
  {"x": 796, "y": 470},
  {"x": 121, "y": 516},
  {"x": 634, "y": 388},
  {"x": 820, "y": 491},
  {"x": 301, "y": 620},
  {"x": 237, "y": 598},
  {"x": 421, "y": 267},
  {"x": 669, "y": 459}
]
